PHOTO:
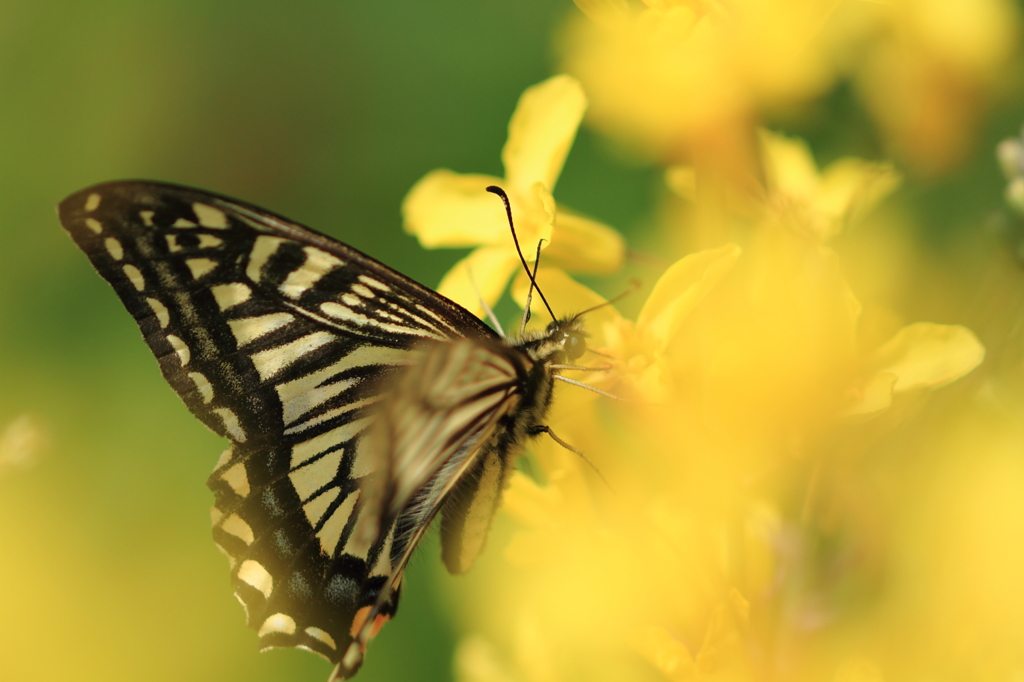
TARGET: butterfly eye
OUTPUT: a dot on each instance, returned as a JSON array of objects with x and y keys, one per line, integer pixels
[{"x": 575, "y": 345}]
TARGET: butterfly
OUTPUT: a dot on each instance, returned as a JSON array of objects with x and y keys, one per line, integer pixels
[{"x": 359, "y": 404}]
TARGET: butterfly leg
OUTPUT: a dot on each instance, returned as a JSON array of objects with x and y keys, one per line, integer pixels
[{"x": 538, "y": 429}]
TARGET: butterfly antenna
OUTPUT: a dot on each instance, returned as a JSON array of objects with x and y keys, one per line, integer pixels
[
  {"x": 634, "y": 284},
  {"x": 529, "y": 294},
  {"x": 494, "y": 189}
]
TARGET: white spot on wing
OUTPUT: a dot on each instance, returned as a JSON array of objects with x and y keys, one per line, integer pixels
[
  {"x": 331, "y": 414},
  {"x": 231, "y": 424},
  {"x": 301, "y": 452},
  {"x": 316, "y": 509},
  {"x": 383, "y": 565},
  {"x": 209, "y": 241},
  {"x": 318, "y": 263},
  {"x": 269, "y": 362},
  {"x": 184, "y": 224},
  {"x": 147, "y": 218},
  {"x": 200, "y": 266},
  {"x": 184, "y": 355},
  {"x": 340, "y": 312},
  {"x": 94, "y": 225},
  {"x": 134, "y": 276},
  {"x": 236, "y": 526},
  {"x": 203, "y": 385},
  {"x": 237, "y": 479},
  {"x": 330, "y": 534},
  {"x": 160, "y": 310},
  {"x": 310, "y": 391},
  {"x": 92, "y": 202},
  {"x": 351, "y": 300},
  {"x": 210, "y": 216},
  {"x": 229, "y": 295},
  {"x": 302, "y": 395},
  {"x": 279, "y": 622},
  {"x": 252, "y": 573},
  {"x": 262, "y": 249},
  {"x": 248, "y": 329},
  {"x": 376, "y": 284},
  {"x": 311, "y": 477},
  {"x": 172, "y": 243},
  {"x": 321, "y": 636},
  {"x": 363, "y": 291},
  {"x": 114, "y": 248}
]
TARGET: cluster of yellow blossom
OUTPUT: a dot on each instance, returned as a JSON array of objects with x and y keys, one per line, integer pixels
[
  {"x": 796, "y": 486},
  {"x": 686, "y": 76}
]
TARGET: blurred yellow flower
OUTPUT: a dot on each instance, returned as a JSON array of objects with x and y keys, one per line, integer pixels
[
  {"x": 678, "y": 75},
  {"x": 447, "y": 209},
  {"x": 801, "y": 490},
  {"x": 21, "y": 443},
  {"x": 732, "y": 468},
  {"x": 817, "y": 203},
  {"x": 930, "y": 68},
  {"x": 691, "y": 78}
]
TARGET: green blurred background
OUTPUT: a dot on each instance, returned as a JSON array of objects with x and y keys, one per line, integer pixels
[{"x": 326, "y": 112}]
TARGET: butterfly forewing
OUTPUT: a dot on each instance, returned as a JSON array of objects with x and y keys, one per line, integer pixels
[{"x": 283, "y": 341}]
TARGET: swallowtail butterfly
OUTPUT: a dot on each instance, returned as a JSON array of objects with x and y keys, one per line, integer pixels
[{"x": 359, "y": 404}]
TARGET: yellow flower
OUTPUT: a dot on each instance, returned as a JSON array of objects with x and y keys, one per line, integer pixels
[
  {"x": 730, "y": 461},
  {"x": 817, "y": 203},
  {"x": 931, "y": 68},
  {"x": 447, "y": 209},
  {"x": 696, "y": 73},
  {"x": 692, "y": 77}
]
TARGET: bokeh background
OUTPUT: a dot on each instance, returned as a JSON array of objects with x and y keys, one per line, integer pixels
[{"x": 325, "y": 112}]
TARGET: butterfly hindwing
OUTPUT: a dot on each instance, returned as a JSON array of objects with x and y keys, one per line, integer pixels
[{"x": 283, "y": 341}]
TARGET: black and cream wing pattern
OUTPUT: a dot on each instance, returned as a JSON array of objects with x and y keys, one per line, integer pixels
[{"x": 287, "y": 343}]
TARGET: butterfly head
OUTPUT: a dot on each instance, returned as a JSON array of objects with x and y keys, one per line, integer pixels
[{"x": 564, "y": 340}]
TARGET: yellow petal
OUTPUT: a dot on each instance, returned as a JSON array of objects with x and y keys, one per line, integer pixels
[
  {"x": 583, "y": 245},
  {"x": 681, "y": 288},
  {"x": 929, "y": 355},
  {"x": 875, "y": 396},
  {"x": 665, "y": 652},
  {"x": 605, "y": 13},
  {"x": 535, "y": 221},
  {"x": 851, "y": 187},
  {"x": 858, "y": 669},
  {"x": 488, "y": 268},
  {"x": 447, "y": 209},
  {"x": 789, "y": 165},
  {"x": 541, "y": 132}
]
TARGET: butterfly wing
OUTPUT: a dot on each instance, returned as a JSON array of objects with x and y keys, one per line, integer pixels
[
  {"x": 284, "y": 341},
  {"x": 446, "y": 412},
  {"x": 442, "y": 409}
]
